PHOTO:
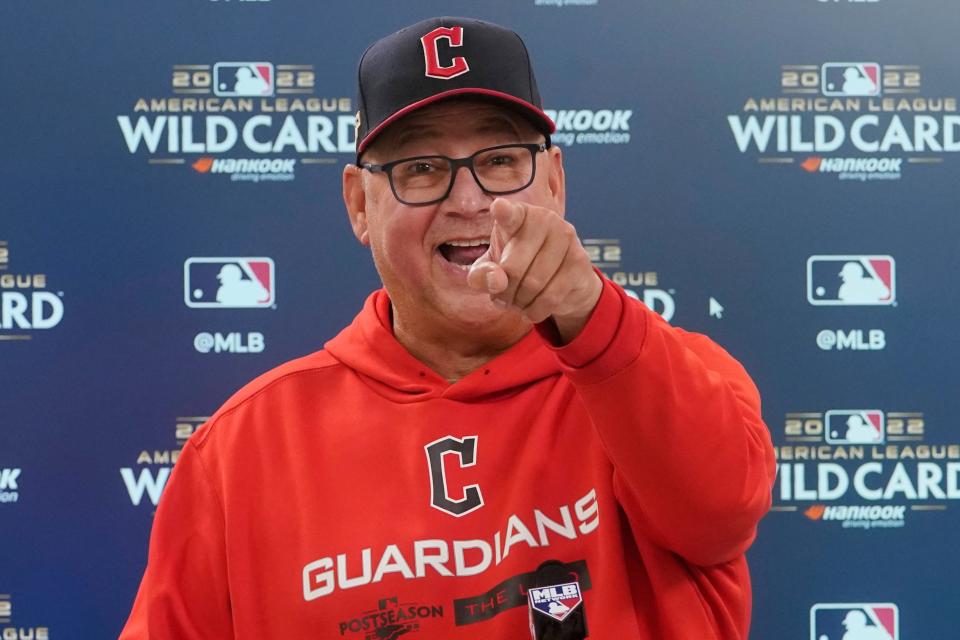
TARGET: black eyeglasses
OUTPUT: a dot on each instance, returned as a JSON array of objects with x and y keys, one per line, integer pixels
[{"x": 500, "y": 170}]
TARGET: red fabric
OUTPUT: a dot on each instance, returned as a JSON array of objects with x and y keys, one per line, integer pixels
[{"x": 643, "y": 445}]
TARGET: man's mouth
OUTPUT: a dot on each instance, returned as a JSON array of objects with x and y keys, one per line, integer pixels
[{"x": 463, "y": 253}]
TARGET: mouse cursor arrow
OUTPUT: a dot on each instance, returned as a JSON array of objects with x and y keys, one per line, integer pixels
[{"x": 716, "y": 309}]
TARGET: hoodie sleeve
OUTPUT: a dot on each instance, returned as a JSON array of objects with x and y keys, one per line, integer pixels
[
  {"x": 184, "y": 592},
  {"x": 680, "y": 421}
]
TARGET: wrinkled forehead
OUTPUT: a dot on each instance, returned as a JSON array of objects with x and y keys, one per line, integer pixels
[{"x": 452, "y": 120}]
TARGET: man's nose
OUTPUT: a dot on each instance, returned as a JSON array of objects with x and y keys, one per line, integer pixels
[{"x": 466, "y": 197}]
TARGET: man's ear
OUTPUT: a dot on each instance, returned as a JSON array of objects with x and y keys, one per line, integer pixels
[
  {"x": 356, "y": 202},
  {"x": 557, "y": 181}
]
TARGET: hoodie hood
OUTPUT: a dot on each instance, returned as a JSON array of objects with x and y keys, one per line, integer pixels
[{"x": 369, "y": 347}]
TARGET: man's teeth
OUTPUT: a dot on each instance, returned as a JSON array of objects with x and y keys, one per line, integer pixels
[{"x": 467, "y": 243}]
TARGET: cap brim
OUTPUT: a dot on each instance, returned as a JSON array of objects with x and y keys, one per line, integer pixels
[{"x": 533, "y": 113}]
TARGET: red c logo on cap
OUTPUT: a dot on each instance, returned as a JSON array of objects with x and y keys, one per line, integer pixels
[{"x": 431, "y": 56}]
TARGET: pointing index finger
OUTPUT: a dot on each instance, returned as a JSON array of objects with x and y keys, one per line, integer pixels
[
  {"x": 509, "y": 216},
  {"x": 496, "y": 243}
]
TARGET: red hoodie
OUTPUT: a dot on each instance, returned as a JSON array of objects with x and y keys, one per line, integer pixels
[{"x": 354, "y": 493}]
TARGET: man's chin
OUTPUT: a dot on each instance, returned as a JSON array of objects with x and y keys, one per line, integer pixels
[{"x": 475, "y": 310}]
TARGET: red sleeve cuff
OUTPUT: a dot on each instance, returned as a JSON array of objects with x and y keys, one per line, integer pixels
[{"x": 597, "y": 335}]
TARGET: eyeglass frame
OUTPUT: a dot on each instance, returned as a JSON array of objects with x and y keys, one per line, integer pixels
[{"x": 455, "y": 163}]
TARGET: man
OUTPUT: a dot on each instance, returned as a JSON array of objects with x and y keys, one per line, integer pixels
[{"x": 502, "y": 444}]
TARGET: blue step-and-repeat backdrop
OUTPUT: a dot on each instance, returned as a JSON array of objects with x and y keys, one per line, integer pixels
[{"x": 783, "y": 176}]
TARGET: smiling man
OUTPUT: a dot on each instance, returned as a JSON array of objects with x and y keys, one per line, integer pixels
[
  {"x": 502, "y": 444},
  {"x": 431, "y": 234}
]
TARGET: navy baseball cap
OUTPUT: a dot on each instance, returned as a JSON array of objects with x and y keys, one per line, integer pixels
[{"x": 441, "y": 58}]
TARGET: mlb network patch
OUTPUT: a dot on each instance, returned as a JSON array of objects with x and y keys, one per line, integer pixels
[{"x": 557, "y": 601}]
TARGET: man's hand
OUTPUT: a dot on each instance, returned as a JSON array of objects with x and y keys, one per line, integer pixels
[{"x": 537, "y": 266}]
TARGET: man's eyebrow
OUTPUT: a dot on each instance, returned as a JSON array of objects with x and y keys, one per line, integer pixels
[
  {"x": 487, "y": 124},
  {"x": 419, "y": 132},
  {"x": 498, "y": 124}
]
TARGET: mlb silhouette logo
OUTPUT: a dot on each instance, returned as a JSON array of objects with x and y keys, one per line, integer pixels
[
  {"x": 228, "y": 283},
  {"x": 850, "y": 79},
  {"x": 243, "y": 79},
  {"x": 557, "y": 601},
  {"x": 855, "y": 621},
  {"x": 851, "y": 280},
  {"x": 855, "y": 426}
]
